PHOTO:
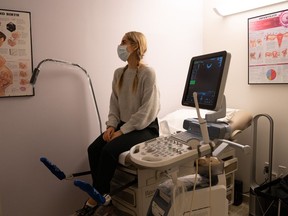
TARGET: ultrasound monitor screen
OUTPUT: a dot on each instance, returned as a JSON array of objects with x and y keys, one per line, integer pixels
[{"x": 207, "y": 76}]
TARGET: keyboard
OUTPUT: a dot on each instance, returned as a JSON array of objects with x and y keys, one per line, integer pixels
[{"x": 163, "y": 152}]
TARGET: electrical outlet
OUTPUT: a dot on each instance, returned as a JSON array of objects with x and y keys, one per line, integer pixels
[
  {"x": 266, "y": 168},
  {"x": 274, "y": 176},
  {"x": 281, "y": 170}
]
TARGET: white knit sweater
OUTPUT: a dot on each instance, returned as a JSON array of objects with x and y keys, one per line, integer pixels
[{"x": 137, "y": 109}]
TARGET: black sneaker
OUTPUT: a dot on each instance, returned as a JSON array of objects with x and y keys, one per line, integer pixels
[{"x": 85, "y": 211}]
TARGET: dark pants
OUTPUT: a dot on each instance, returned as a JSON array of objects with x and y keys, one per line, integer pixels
[{"x": 103, "y": 156}]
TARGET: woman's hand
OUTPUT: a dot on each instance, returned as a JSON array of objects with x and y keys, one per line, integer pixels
[
  {"x": 116, "y": 134},
  {"x": 107, "y": 136}
]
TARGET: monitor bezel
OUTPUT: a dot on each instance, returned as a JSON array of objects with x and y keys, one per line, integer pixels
[{"x": 220, "y": 85}]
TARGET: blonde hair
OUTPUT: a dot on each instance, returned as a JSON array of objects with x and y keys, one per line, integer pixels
[{"x": 136, "y": 39}]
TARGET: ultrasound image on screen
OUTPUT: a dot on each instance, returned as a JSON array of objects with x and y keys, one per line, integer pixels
[{"x": 205, "y": 79}]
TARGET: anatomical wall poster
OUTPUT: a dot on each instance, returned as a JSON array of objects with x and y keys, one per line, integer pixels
[
  {"x": 15, "y": 53},
  {"x": 267, "y": 48}
]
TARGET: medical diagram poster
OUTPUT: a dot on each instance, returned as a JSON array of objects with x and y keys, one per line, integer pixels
[
  {"x": 15, "y": 54},
  {"x": 267, "y": 47}
]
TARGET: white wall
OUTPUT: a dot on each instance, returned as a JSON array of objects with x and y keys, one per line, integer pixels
[
  {"x": 231, "y": 33},
  {"x": 59, "y": 121}
]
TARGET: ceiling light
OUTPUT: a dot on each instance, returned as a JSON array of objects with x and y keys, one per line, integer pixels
[{"x": 234, "y": 7}]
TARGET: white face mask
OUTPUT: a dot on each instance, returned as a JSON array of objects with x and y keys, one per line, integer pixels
[{"x": 122, "y": 52}]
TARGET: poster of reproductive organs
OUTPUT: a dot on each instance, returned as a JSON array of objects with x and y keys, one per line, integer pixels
[
  {"x": 268, "y": 48},
  {"x": 15, "y": 53}
]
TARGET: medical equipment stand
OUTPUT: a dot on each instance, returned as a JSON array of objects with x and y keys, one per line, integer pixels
[
  {"x": 36, "y": 72},
  {"x": 253, "y": 198}
]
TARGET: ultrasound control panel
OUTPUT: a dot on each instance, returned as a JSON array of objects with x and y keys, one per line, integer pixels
[{"x": 167, "y": 150}]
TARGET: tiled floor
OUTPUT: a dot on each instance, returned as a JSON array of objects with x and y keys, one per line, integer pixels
[{"x": 241, "y": 210}]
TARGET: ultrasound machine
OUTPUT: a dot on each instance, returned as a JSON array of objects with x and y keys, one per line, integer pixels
[{"x": 180, "y": 173}]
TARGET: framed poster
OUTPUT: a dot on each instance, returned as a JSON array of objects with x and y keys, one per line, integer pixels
[
  {"x": 267, "y": 48},
  {"x": 15, "y": 53}
]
